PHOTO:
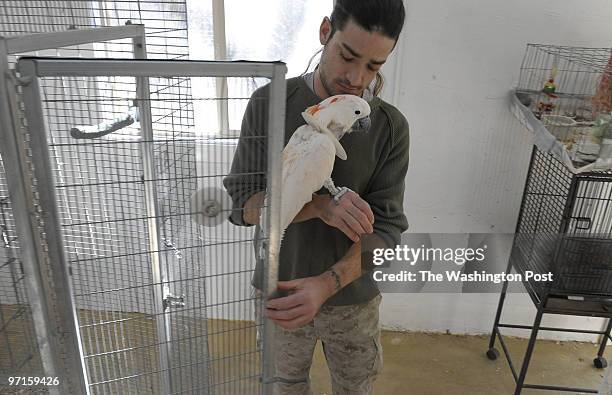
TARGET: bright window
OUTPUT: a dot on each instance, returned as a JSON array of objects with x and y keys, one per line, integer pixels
[{"x": 286, "y": 30}]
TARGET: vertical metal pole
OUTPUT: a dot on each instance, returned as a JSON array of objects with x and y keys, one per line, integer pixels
[
  {"x": 530, "y": 346},
  {"x": 65, "y": 319},
  {"x": 604, "y": 338},
  {"x": 276, "y": 139},
  {"x": 12, "y": 154},
  {"x": 160, "y": 275},
  {"x": 500, "y": 306},
  {"x": 220, "y": 42}
]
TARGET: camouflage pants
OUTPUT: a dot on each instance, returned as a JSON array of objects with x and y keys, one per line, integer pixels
[{"x": 350, "y": 336}]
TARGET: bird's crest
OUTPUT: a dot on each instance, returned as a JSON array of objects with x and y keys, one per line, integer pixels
[{"x": 335, "y": 116}]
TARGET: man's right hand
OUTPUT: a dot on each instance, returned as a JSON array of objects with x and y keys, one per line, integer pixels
[{"x": 352, "y": 215}]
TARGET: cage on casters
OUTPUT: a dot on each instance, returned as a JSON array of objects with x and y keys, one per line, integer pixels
[{"x": 564, "y": 226}]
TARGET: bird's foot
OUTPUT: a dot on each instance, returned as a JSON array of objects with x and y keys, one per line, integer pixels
[
  {"x": 329, "y": 185},
  {"x": 341, "y": 192},
  {"x": 334, "y": 190}
]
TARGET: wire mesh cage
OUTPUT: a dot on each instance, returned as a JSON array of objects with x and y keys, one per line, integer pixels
[
  {"x": 19, "y": 353},
  {"x": 565, "y": 224},
  {"x": 570, "y": 90},
  {"x": 165, "y": 22},
  {"x": 160, "y": 304},
  {"x": 166, "y": 29},
  {"x": 108, "y": 247},
  {"x": 109, "y": 251},
  {"x": 11, "y": 47},
  {"x": 565, "y": 228},
  {"x": 563, "y": 242},
  {"x": 163, "y": 305}
]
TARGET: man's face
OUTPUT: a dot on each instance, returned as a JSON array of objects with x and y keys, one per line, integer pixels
[{"x": 351, "y": 58}]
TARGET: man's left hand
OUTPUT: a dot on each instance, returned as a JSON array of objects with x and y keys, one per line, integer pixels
[{"x": 306, "y": 296}]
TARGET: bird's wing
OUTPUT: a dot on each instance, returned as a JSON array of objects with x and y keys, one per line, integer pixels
[{"x": 308, "y": 160}]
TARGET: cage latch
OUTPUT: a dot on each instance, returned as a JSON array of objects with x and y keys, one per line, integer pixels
[
  {"x": 583, "y": 223},
  {"x": 174, "y": 301}
]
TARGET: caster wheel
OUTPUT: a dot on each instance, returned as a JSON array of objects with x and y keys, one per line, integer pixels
[
  {"x": 600, "y": 363},
  {"x": 492, "y": 354}
]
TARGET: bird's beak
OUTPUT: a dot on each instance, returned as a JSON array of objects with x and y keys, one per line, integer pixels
[{"x": 362, "y": 125}]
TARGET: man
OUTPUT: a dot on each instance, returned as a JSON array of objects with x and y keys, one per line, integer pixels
[{"x": 329, "y": 296}]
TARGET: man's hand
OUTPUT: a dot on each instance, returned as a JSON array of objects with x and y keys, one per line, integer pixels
[
  {"x": 252, "y": 208},
  {"x": 352, "y": 215},
  {"x": 307, "y": 295}
]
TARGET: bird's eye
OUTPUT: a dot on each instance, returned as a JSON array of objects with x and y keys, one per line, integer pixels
[{"x": 357, "y": 112}]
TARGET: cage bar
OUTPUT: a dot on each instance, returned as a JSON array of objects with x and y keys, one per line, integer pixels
[{"x": 235, "y": 370}]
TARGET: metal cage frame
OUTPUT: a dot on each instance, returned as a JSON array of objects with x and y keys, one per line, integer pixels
[
  {"x": 564, "y": 227},
  {"x": 31, "y": 69},
  {"x": 55, "y": 328},
  {"x": 549, "y": 177}
]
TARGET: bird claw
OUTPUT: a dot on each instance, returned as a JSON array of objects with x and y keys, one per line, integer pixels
[
  {"x": 341, "y": 192},
  {"x": 336, "y": 192}
]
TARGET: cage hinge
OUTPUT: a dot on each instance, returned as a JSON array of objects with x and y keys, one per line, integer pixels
[{"x": 17, "y": 80}]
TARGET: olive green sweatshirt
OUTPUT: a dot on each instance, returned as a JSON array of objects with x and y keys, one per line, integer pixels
[{"x": 375, "y": 169}]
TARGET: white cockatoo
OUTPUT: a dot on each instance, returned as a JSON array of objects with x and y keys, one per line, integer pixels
[
  {"x": 308, "y": 157},
  {"x": 308, "y": 160}
]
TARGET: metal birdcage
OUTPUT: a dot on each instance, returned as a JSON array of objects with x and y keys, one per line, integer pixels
[
  {"x": 570, "y": 91},
  {"x": 160, "y": 304},
  {"x": 29, "y": 319},
  {"x": 26, "y": 239},
  {"x": 145, "y": 299},
  {"x": 564, "y": 229}
]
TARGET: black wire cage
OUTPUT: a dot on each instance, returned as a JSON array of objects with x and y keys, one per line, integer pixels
[{"x": 564, "y": 228}]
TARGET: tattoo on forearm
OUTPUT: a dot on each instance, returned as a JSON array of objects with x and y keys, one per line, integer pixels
[{"x": 336, "y": 277}]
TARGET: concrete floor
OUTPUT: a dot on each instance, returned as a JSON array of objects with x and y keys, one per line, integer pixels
[
  {"x": 424, "y": 363},
  {"x": 414, "y": 363}
]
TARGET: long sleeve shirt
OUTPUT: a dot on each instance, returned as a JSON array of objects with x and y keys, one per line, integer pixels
[{"x": 375, "y": 169}]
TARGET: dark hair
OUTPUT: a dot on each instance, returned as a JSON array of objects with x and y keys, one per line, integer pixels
[{"x": 385, "y": 16}]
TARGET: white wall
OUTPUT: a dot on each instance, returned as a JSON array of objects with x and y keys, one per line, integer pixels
[{"x": 450, "y": 76}]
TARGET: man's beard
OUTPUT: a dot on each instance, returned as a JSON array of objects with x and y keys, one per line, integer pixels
[
  {"x": 328, "y": 85},
  {"x": 324, "y": 82}
]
